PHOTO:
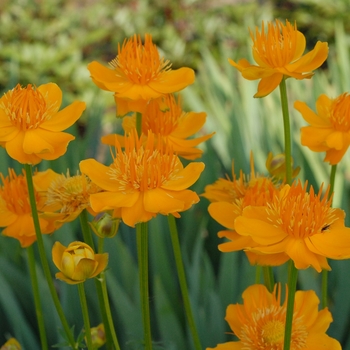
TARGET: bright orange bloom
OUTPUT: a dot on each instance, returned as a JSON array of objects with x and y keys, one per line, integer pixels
[
  {"x": 329, "y": 129},
  {"x": 229, "y": 199},
  {"x": 15, "y": 210},
  {"x": 77, "y": 262},
  {"x": 144, "y": 180},
  {"x": 171, "y": 125},
  {"x": 260, "y": 322},
  {"x": 31, "y": 125},
  {"x": 11, "y": 344},
  {"x": 66, "y": 196},
  {"x": 138, "y": 73},
  {"x": 300, "y": 224},
  {"x": 278, "y": 54}
]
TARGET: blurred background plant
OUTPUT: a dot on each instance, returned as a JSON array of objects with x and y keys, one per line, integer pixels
[{"x": 54, "y": 40}]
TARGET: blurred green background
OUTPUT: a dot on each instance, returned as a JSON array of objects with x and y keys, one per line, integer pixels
[{"x": 53, "y": 41}]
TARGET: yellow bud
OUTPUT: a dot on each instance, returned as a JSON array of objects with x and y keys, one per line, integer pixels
[
  {"x": 11, "y": 344},
  {"x": 105, "y": 226},
  {"x": 98, "y": 336}
]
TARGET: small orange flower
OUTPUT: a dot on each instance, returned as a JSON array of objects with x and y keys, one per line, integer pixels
[
  {"x": 31, "y": 125},
  {"x": 77, "y": 262},
  {"x": 138, "y": 73},
  {"x": 15, "y": 210},
  {"x": 144, "y": 180},
  {"x": 170, "y": 124},
  {"x": 260, "y": 322},
  {"x": 300, "y": 224},
  {"x": 329, "y": 129},
  {"x": 229, "y": 199},
  {"x": 278, "y": 54},
  {"x": 66, "y": 196}
]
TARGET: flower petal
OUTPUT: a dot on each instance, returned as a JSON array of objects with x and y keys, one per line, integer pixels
[
  {"x": 191, "y": 123},
  {"x": 110, "y": 200},
  {"x": 315, "y": 138},
  {"x": 267, "y": 85},
  {"x": 57, "y": 254},
  {"x": 224, "y": 213},
  {"x": 102, "y": 260},
  {"x": 321, "y": 341},
  {"x": 158, "y": 200},
  {"x": 52, "y": 94},
  {"x": 84, "y": 270},
  {"x": 310, "y": 116}
]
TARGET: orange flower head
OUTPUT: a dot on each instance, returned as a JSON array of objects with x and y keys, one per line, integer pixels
[
  {"x": 300, "y": 224},
  {"x": 31, "y": 125},
  {"x": 138, "y": 73},
  {"x": 329, "y": 129},
  {"x": 278, "y": 53},
  {"x": 66, "y": 196},
  {"x": 167, "y": 120},
  {"x": 77, "y": 262},
  {"x": 15, "y": 210},
  {"x": 259, "y": 323},
  {"x": 145, "y": 179}
]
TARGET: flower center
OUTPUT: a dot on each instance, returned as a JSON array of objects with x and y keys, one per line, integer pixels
[
  {"x": 299, "y": 213},
  {"x": 273, "y": 332},
  {"x": 340, "y": 113},
  {"x": 139, "y": 63},
  {"x": 71, "y": 193},
  {"x": 26, "y": 107},
  {"x": 276, "y": 48},
  {"x": 14, "y": 193},
  {"x": 143, "y": 167}
]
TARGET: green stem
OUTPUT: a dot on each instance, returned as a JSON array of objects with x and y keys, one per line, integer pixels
[
  {"x": 324, "y": 288},
  {"x": 101, "y": 288},
  {"x": 44, "y": 262},
  {"x": 85, "y": 312},
  {"x": 258, "y": 274},
  {"x": 182, "y": 279},
  {"x": 142, "y": 254},
  {"x": 36, "y": 294},
  {"x": 287, "y": 133},
  {"x": 269, "y": 278},
  {"x": 292, "y": 285},
  {"x": 138, "y": 123}
]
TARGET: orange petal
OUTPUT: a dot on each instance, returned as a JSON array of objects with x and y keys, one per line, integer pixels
[
  {"x": 6, "y": 217},
  {"x": 337, "y": 140},
  {"x": 101, "y": 75},
  {"x": 257, "y": 72},
  {"x": 321, "y": 324},
  {"x": 323, "y": 106},
  {"x": 7, "y": 133},
  {"x": 310, "y": 116},
  {"x": 185, "y": 177},
  {"x": 312, "y": 60},
  {"x": 110, "y": 200},
  {"x": 300, "y": 46},
  {"x": 64, "y": 118},
  {"x": 52, "y": 94},
  {"x": 240, "y": 65},
  {"x": 102, "y": 260},
  {"x": 334, "y": 157},
  {"x": 261, "y": 259},
  {"x": 315, "y": 138},
  {"x": 317, "y": 341},
  {"x": 84, "y": 270},
  {"x": 224, "y": 213},
  {"x": 158, "y": 200},
  {"x": 43, "y": 179},
  {"x": 228, "y": 346},
  {"x": 62, "y": 277},
  {"x": 57, "y": 254},
  {"x": 267, "y": 85},
  {"x": 306, "y": 306},
  {"x": 191, "y": 123}
]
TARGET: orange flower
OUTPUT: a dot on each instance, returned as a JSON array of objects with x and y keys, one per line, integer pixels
[
  {"x": 278, "y": 54},
  {"x": 229, "y": 199},
  {"x": 138, "y": 73},
  {"x": 260, "y": 322},
  {"x": 15, "y": 210},
  {"x": 300, "y": 224},
  {"x": 170, "y": 124},
  {"x": 329, "y": 129},
  {"x": 77, "y": 262},
  {"x": 31, "y": 125},
  {"x": 66, "y": 196},
  {"x": 144, "y": 180}
]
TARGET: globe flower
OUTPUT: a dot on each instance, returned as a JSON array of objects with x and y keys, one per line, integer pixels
[
  {"x": 66, "y": 196},
  {"x": 31, "y": 124},
  {"x": 329, "y": 129},
  {"x": 138, "y": 74},
  {"x": 145, "y": 179},
  {"x": 299, "y": 223},
  {"x": 279, "y": 54},
  {"x": 77, "y": 262},
  {"x": 16, "y": 212},
  {"x": 259, "y": 323},
  {"x": 166, "y": 119},
  {"x": 11, "y": 344}
]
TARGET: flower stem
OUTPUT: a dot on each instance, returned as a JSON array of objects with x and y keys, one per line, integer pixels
[
  {"x": 138, "y": 123},
  {"x": 324, "y": 288},
  {"x": 101, "y": 288},
  {"x": 44, "y": 262},
  {"x": 269, "y": 278},
  {"x": 142, "y": 254},
  {"x": 287, "y": 133},
  {"x": 36, "y": 294},
  {"x": 85, "y": 312},
  {"x": 182, "y": 279},
  {"x": 292, "y": 285}
]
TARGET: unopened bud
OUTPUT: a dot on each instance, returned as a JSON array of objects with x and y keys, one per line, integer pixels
[{"x": 105, "y": 226}]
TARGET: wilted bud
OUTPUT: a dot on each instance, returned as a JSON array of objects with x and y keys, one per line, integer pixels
[
  {"x": 105, "y": 226},
  {"x": 276, "y": 166},
  {"x": 77, "y": 262},
  {"x": 98, "y": 336},
  {"x": 11, "y": 344}
]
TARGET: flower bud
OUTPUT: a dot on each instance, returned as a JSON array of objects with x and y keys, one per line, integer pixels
[
  {"x": 98, "y": 336},
  {"x": 105, "y": 226},
  {"x": 77, "y": 262},
  {"x": 276, "y": 166},
  {"x": 11, "y": 344}
]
